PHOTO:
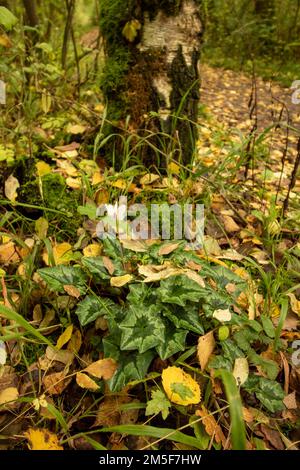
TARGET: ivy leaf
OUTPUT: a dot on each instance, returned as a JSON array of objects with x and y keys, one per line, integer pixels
[
  {"x": 131, "y": 367},
  {"x": 174, "y": 341},
  {"x": 92, "y": 307},
  {"x": 112, "y": 248},
  {"x": 7, "y": 19},
  {"x": 220, "y": 362},
  {"x": 187, "y": 318},
  {"x": 268, "y": 366},
  {"x": 231, "y": 351},
  {"x": 271, "y": 395},
  {"x": 59, "y": 276},
  {"x": 142, "y": 329},
  {"x": 96, "y": 267},
  {"x": 179, "y": 290},
  {"x": 158, "y": 404}
]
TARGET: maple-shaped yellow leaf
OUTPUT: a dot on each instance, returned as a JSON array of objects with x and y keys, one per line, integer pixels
[
  {"x": 180, "y": 387},
  {"x": 64, "y": 337},
  {"x": 62, "y": 254},
  {"x": 42, "y": 439}
]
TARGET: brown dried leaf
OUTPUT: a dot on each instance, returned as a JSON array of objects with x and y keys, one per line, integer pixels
[
  {"x": 104, "y": 368},
  {"x": 84, "y": 381},
  {"x": 211, "y": 426},
  {"x": 206, "y": 346}
]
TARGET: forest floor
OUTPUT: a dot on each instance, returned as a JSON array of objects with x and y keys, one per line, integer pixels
[{"x": 78, "y": 367}]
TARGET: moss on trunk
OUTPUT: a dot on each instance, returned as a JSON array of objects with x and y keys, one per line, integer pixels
[{"x": 157, "y": 71}]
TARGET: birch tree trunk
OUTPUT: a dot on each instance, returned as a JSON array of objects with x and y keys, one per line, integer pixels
[{"x": 152, "y": 58}]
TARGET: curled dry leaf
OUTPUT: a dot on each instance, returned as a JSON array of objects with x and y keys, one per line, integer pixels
[
  {"x": 157, "y": 273},
  {"x": 206, "y": 346},
  {"x": 64, "y": 356},
  {"x": 180, "y": 387},
  {"x": 211, "y": 426},
  {"x": 120, "y": 281},
  {"x": 109, "y": 265},
  {"x": 42, "y": 439},
  {"x": 229, "y": 224},
  {"x": 194, "y": 277},
  {"x": 149, "y": 178},
  {"x": 55, "y": 384},
  {"x": 72, "y": 291},
  {"x": 102, "y": 369},
  {"x": 84, "y": 381}
]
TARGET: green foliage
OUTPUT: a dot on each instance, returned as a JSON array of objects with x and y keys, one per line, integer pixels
[
  {"x": 158, "y": 404},
  {"x": 59, "y": 276},
  {"x": 7, "y": 19}
]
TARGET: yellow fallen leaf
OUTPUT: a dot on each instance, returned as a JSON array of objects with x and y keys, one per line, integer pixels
[
  {"x": 149, "y": 178},
  {"x": 155, "y": 273},
  {"x": 10, "y": 188},
  {"x": 194, "y": 277},
  {"x": 120, "y": 281},
  {"x": 8, "y": 395},
  {"x": 75, "y": 129},
  {"x": 102, "y": 197},
  {"x": 295, "y": 304},
  {"x": 120, "y": 184},
  {"x": 74, "y": 183},
  {"x": 62, "y": 254},
  {"x": 229, "y": 224},
  {"x": 138, "y": 246},
  {"x": 8, "y": 253},
  {"x": 56, "y": 382},
  {"x": 64, "y": 337},
  {"x": 42, "y": 168},
  {"x": 173, "y": 168},
  {"x": 72, "y": 291},
  {"x": 97, "y": 178},
  {"x": 222, "y": 315},
  {"x": 206, "y": 346},
  {"x": 42, "y": 439},
  {"x": 180, "y": 387},
  {"x": 102, "y": 369},
  {"x": 92, "y": 250},
  {"x": 168, "y": 248},
  {"x": 84, "y": 381},
  {"x": 211, "y": 426},
  {"x": 75, "y": 342}
]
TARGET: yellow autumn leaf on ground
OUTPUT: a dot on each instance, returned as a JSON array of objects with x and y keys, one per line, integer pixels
[
  {"x": 42, "y": 168},
  {"x": 206, "y": 346},
  {"x": 104, "y": 368},
  {"x": 211, "y": 426},
  {"x": 120, "y": 281},
  {"x": 8, "y": 253},
  {"x": 10, "y": 188},
  {"x": 173, "y": 168},
  {"x": 62, "y": 254},
  {"x": 64, "y": 337},
  {"x": 8, "y": 395},
  {"x": 84, "y": 381},
  {"x": 42, "y": 439},
  {"x": 241, "y": 370},
  {"x": 295, "y": 304},
  {"x": 75, "y": 342},
  {"x": 92, "y": 250},
  {"x": 180, "y": 387},
  {"x": 149, "y": 178}
]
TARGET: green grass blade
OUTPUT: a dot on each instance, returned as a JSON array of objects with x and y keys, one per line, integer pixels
[
  {"x": 158, "y": 433},
  {"x": 20, "y": 321},
  {"x": 283, "y": 314},
  {"x": 95, "y": 444},
  {"x": 238, "y": 431}
]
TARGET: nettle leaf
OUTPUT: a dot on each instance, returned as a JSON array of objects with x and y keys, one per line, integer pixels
[
  {"x": 131, "y": 367},
  {"x": 59, "y": 276},
  {"x": 93, "y": 307},
  {"x": 142, "y": 329},
  {"x": 158, "y": 404},
  {"x": 173, "y": 342},
  {"x": 187, "y": 318},
  {"x": 7, "y": 19},
  {"x": 179, "y": 290},
  {"x": 96, "y": 267}
]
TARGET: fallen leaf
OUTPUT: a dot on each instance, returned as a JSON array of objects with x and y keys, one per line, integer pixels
[
  {"x": 241, "y": 370},
  {"x": 55, "y": 383},
  {"x": 155, "y": 273},
  {"x": 64, "y": 337},
  {"x": 109, "y": 265},
  {"x": 211, "y": 426},
  {"x": 8, "y": 396},
  {"x": 168, "y": 248},
  {"x": 295, "y": 304},
  {"x": 3, "y": 353},
  {"x": 206, "y": 346},
  {"x": 43, "y": 169},
  {"x": 75, "y": 342},
  {"x": 10, "y": 188},
  {"x": 72, "y": 291},
  {"x": 120, "y": 281},
  {"x": 222, "y": 315},
  {"x": 229, "y": 224},
  {"x": 149, "y": 178},
  {"x": 134, "y": 245},
  {"x": 41, "y": 228},
  {"x": 42, "y": 439},
  {"x": 93, "y": 250},
  {"x": 194, "y": 277},
  {"x": 64, "y": 356},
  {"x": 62, "y": 254},
  {"x": 102, "y": 369},
  {"x": 180, "y": 387},
  {"x": 84, "y": 381},
  {"x": 290, "y": 401}
]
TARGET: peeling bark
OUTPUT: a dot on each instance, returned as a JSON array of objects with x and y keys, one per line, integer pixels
[{"x": 160, "y": 71}]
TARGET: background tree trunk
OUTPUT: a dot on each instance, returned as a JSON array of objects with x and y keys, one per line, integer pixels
[
  {"x": 157, "y": 70},
  {"x": 264, "y": 8},
  {"x": 32, "y": 18}
]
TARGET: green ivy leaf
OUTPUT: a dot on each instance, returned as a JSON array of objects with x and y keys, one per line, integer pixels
[
  {"x": 159, "y": 403},
  {"x": 92, "y": 307},
  {"x": 173, "y": 342},
  {"x": 187, "y": 318},
  {"x": 179, "y": 290},
  {"x": 142, "y": 329},
  {"x": 131, "y": 367},
  {"x": 220, "y": 362},
  {"x": 59, "y": 276},
  {"x": 268, "y": 366},
  {"x": 270, "y": 394},
  {"x": 112, "y": 248},
  {"x": 7, "y": 19}
]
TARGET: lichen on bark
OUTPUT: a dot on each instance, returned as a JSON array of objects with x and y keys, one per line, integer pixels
[{"x": 156, "y": 72}]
